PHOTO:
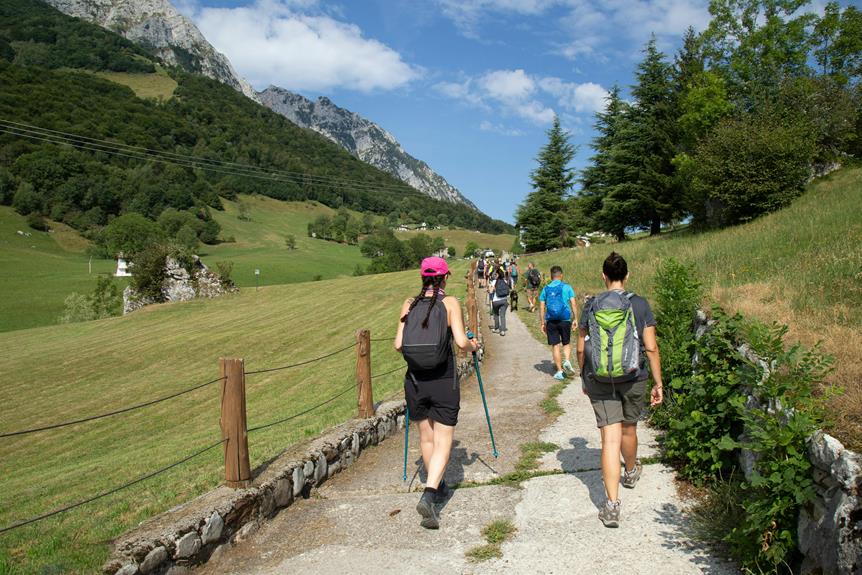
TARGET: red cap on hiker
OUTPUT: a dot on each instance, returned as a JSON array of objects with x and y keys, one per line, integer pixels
[{"x": 434, "y": 267}]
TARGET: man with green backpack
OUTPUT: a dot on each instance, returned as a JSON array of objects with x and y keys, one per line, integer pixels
[
  {"x": 557, "y": 310},
  {"x": 616, "y": 336}
]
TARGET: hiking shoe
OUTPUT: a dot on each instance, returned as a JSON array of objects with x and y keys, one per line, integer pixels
[
  {"x": 630, "y": 478},
  {"x": 502, "y": 333},
  {"x": 442, "y": 492},
  {"x": 560, "y": 376},
  {"x": 567, "y": 365},
  {"x": 609, "y": 514},
  {"x": 428, "y": 510}
]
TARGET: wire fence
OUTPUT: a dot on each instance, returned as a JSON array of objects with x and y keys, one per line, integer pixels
[{"x": 103, "y": 494}]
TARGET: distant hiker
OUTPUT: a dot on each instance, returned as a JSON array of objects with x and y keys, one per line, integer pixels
[
  {"x": 534, "y": 282},
  {"x": 480, "y": 271},
  {"x": 557, "y": 309},
  {"x": 616, "y": 330},
  {"x": 429, "y": 322},
  {"x": 500, "y": 289},
  {"x": 513, "y": 272}
]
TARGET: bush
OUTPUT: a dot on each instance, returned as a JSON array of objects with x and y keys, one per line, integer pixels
[
  {"x": 105, "y": 301},
  {"x": 149, "y": 273},
  {"x": 224, "y": 270},
  {"x": 678, "y": 296},
  {"x": 37, "y": 222},
  {"x": 749, "y": 166},
  {"x": 130, "y": 234}
]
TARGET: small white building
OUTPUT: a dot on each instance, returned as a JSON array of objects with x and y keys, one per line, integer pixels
[{"x": 122, "y": 267}]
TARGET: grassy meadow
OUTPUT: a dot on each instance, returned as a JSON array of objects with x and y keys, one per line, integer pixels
[
  {"x": 61, "y": 372},
  {"x": 158, "y": 85},
  {"x": 801, "y": 267},
  {"x": 40, "y": 271}
]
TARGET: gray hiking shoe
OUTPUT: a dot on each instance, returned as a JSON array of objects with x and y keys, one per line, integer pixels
[
  {"x": 609, "y": 514},
  {"x": 630, "y": 478},
  {"x": 427, "y": 508}
]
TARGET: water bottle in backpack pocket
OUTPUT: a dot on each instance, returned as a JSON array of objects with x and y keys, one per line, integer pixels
[{"x": 615, "y": 348}]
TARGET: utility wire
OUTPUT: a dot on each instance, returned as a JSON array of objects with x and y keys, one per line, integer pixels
[
  {"x": 301, "y": 413},
  {"x": 231, "y": 168},
  {"x": 336, "y": 352},
  {"x": 110, "y": 413},
  {"x": 109, "y": 492}
]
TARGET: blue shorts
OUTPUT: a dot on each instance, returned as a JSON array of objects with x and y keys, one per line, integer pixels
[{"x": 558, "y": 332}]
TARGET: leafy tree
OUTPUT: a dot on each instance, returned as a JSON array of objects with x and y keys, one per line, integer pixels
[
  {"x": 704, "y": 102},
  {"x": 437, "y": 244},
  {"x": 26, "y": 200},
  {"x": 243, "y": 211},
  {"x": 541, "y": 214},
  {"x": 837, "y": 38},
  {"x": 290, "y": 241},
  {"x": 749, "y": 166},
  {"x": 419, "y": 247},
  {"x": 451, "y": 251},
  {"x": 470, "y": 249},
  {"x": 130, "y": 234},
  {"x": 187, "y": 237}
]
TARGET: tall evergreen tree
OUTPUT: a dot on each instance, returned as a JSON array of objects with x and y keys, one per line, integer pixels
[
  {"x": 542, "y": 214},
  {"x": 595, "y": 178},
  {"x": 642, "y": 193}
]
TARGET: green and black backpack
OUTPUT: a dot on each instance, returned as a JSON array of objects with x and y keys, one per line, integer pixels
[{"x": 615, "y": 345}]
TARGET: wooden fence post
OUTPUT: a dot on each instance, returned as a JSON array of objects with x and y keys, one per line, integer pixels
[
  {"x": 472, "y": 309},
  {"x": 237, "y": 470},
  {"x": 364, "y": 396}
]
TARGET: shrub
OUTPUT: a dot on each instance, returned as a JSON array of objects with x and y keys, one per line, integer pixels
[
  {"x": 105, "y": 301},
  {"x": 224, "y": 270},
  {"x": 149, "y": 273},
  {"x": 130, "y": 233},
  {"x": 37, "y": 222}
]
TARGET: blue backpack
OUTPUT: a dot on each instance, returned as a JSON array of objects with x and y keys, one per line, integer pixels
[{"x": 555, "y": 306}]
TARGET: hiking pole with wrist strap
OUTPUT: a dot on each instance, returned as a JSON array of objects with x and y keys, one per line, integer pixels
[
  {"x": 406, "y": 438},
  {"x": 471, "y": 335}
]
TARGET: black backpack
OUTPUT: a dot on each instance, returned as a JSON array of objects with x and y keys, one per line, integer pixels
[
  {"x": 426, "y": 347},
  {"x": 534, "y": 277},
  {"x": 502, "y": 287}
]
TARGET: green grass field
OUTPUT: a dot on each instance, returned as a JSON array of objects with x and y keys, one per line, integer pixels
[
  {"x": 801, "y": 266},
  {"x": 65, "y": 371},
  {"x": 40, "y": 271},
  {"x": 459, "y": 239},
  {"x": 157, "y": 85}
]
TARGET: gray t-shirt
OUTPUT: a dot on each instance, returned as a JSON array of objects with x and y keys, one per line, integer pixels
[{"x": 643, "y": 318}]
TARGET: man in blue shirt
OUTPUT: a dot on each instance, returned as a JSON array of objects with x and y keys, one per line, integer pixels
[{"x": 557, "y": 310}]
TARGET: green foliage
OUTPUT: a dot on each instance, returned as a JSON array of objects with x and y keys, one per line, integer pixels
[
  {"x": 838, "y": 43},
  {"x": 130, "y": 233},
  {"x": 703, "y": 103},
  {"x": 541, "y": 215},
  {"x": 149, "y": 267},
  {"x": 749, "y": 166},
  {"x": 105, "y": 301},
  {"x": 290, "y": 241},
  {"x": 470, "y": 249},
  {"x": 35, "y": 34},
  {"x": 451, "y": 251},
  {"x": 37, "y": 222},
  {"x": 678, "y": 294},
  {"x": 224, "y": 269}
]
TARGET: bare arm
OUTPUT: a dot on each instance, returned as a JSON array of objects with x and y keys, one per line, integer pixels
[
  {"x": 582, "y": 338},
  {"x": 456, "y": 322},
  {"x": 399, "y": 333},
  {"x": 651, "y": 348},
  {"x": 573, "y": 305},
  {"x": 542, "y": 316}
]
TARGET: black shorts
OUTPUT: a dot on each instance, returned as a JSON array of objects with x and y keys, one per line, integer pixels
[
  {"x": 558, "y": 332},
  {"x": 438, "y": 400}
]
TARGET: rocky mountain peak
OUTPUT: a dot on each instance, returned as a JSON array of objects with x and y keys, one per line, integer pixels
[{"x": 362, "y": 138}]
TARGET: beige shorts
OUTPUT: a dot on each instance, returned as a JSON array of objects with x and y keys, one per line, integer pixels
[{"x": 618, "y": 402}]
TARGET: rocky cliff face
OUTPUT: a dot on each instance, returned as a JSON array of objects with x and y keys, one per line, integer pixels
[
  {"x": 362, "y": 138},
  {"x": 158, "y": 26}
]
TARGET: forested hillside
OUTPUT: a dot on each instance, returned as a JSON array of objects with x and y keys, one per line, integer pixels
[{"x": 111, "y": 152}]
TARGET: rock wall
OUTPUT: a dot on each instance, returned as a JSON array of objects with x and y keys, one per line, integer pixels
[
  {"x": 180, "y": 285},
  {"x": 830, "y": 526}
]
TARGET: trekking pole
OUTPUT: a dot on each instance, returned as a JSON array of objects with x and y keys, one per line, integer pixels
[
  {"x": 406, "y": 438},
  {"x": 470, "y": 335}
]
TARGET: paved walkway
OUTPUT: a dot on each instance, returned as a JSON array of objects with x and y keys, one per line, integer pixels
[{"x": 363, "y": 520}]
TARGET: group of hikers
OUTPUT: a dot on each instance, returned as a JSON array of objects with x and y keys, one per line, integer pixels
[{"x": 616, "y": 351}]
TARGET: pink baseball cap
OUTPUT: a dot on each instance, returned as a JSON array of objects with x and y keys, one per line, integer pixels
[{"x": 434, "y": 267}]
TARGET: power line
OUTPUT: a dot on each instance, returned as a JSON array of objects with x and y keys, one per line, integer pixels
[
  {"x": 110, "y": 491},
  {"x": 375, "y": 376},
  {"x": 110, "y": 413},
  {"x": 231, "y": 168}
]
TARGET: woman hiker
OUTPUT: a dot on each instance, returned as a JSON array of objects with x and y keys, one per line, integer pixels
[{"x": 429, "y": 323}]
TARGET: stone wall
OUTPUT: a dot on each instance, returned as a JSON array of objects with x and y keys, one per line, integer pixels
[{"x": 830, "y": 526}]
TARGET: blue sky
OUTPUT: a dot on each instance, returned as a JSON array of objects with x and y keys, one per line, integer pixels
[{"x": 469, "y": 86}]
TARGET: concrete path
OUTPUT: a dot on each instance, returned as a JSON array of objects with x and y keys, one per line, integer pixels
[{"x": 364, "y": 521}]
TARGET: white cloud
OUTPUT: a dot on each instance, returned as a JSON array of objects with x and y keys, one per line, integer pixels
[
  {"x": 272, "y": 42},
  {"x": 467, "y": 14},
  {"x": 487, "y": 126},
  {"x": 586, "y": 97},
  {"x": 518, "y": 94}
]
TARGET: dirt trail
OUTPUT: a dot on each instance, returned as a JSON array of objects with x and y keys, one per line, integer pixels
[{"x": 363, "y": 520}]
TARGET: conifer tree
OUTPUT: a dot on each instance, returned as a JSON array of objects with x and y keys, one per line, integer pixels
[{"x": 542, "y": 214}]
